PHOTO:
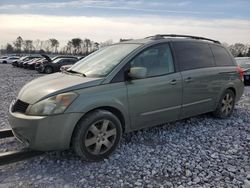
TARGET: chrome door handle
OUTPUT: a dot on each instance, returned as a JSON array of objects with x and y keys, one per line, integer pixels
[
  {"x": 173, "y": 82},
  {"x": 188, "y": 79}
]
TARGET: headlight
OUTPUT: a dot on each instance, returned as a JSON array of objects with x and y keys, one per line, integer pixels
[{"x": 53, "y": 105}]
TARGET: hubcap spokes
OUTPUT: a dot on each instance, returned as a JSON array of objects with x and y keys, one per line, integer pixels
[
  {"x": 100, "y": 137},
  {"x": 227, "y": 104}
]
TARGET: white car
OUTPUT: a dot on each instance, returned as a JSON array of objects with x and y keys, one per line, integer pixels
[{"x": 9, "y": 59}]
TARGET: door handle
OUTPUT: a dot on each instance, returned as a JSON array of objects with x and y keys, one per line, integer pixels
[
  {"x": 173, "y": 82},
  {"x": 188, "y": 79}
]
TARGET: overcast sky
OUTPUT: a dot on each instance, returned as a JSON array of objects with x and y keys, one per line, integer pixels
[{"x": 100, "y": 20}]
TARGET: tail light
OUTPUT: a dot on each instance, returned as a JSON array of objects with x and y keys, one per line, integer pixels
[{"x": 241, "y": 73}]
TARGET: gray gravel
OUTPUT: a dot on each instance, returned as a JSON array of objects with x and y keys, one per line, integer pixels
[{"x": 195, "y": 152}]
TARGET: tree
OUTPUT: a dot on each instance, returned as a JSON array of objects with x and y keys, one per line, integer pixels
[
  {"x": 69, "y": 47},
  {"x": 240, "y": 55},
  {"x": 238, "y": 48},
  {"x": 9, "y": 48},
  {"x": 28, "y": 45},
  {"x": 18, "y": 44},
  {"x": 87, "y": 44},
  {"x": 76, "y": 43},
  {"x": 54, "y": 44},
  {"x": 248, "y": 53}
]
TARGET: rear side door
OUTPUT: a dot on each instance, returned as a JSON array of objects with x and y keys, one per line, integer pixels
[
  {"x": 197, "y": 66},
  {"x": 155, "y": 99}
]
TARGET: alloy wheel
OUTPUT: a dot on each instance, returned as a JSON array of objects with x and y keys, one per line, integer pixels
[
  {"x": 100, "y": 137},
  {"x": 227, "y": 104}
]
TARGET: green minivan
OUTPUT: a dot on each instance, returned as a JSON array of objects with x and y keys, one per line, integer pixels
[{"x": 125, "y": 87}]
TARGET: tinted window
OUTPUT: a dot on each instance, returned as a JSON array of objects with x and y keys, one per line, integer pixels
[
  {"x": 157, "y": 59},
  {"x": 222, "y": 57},
  {"x": 192, "y": 55}
]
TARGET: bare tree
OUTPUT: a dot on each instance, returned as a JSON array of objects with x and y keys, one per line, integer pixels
[
  {"x": 28, "y": 45},
  {"x": 76, "y": 42},
  {"x": 238, "y": 49},
  {"x": 18, "y": 44},
  {"x": 54, "y": 44}
]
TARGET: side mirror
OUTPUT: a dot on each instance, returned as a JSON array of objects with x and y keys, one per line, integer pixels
[{"x": 137, "y": 72}]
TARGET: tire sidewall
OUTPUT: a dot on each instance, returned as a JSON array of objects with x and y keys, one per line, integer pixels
[
  {"x": 48, "y": 68},
  {"x": 82, "y": 129},
  {"x": 219, "y": 108}
]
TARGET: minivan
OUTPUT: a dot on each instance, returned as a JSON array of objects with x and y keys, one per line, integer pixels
[{"x": 125, "y": 87}]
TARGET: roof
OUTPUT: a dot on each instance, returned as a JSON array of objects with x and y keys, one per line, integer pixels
[{"x": 172, "y": 37}]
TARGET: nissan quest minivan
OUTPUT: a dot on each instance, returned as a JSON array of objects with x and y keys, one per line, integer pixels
[{"x": 125, "y": 87}]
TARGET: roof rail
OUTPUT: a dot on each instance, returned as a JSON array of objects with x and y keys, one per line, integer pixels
[{"x": 162, "y": 36}]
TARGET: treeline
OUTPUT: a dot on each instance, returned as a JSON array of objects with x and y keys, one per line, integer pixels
[
  {"x": 76, "y": 46},
  {"x": 85, "y": 46},
  {"x": 239, "y": 49}
]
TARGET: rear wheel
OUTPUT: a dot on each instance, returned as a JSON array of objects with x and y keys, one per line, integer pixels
[
  {"x": 97, "y": 135},
  {"x": 4, "y": 62},
  {"x": 226, "y": 105},
  {"x": 48, "y": 70}
]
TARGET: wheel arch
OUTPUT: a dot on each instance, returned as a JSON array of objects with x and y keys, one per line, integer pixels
[{"x": 111, "y": 109}]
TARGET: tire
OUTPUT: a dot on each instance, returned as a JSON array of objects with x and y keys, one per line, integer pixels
[
  {"x": 97, "y": 135},
  {"x": 48, "y": 70},
  {"x": 4, "y": 62},
  {"x": 226, "y": 105}
]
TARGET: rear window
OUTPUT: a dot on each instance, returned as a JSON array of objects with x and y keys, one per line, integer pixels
[
  {"x": 193, "y": 55},
  {"x": 221, "y": 55}
]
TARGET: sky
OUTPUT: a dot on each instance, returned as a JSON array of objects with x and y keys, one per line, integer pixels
[{"x": 101, "y": 20}]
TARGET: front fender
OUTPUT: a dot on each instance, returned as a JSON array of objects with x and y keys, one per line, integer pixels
[{"x": 108, "y": 95}]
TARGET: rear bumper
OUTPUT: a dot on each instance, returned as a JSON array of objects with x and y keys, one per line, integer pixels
[{"x": 44, "y": 133}]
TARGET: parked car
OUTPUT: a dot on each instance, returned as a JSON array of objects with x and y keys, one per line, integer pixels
[
  {"x": 54, "y": 66},
  {"x": 26, "y": 63},
  {"x": 244, "y": 63},
  {"x": 2, "y": 58},
  {"x": 31, "y": 65},
  {"x": 126, "y": 87},
  {"x": 25, "y": 59},
  {"x": 9, "y": 59},
  {"x": 49, "y": 60}
]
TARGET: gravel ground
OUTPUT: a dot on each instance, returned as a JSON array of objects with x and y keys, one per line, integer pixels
[{"x": 196, "y": 152}]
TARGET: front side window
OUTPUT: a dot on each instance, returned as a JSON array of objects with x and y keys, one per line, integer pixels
[
  {"x": 157, "y": 60},
  {"x": 193, "y": 55}
]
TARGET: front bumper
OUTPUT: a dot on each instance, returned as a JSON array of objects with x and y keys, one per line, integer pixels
[{"x": 44, "y": 133}]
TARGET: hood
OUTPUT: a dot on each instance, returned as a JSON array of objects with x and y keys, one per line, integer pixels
[
  {"x": 53, "y": 84},
  {"x": 46, "y": 57}
]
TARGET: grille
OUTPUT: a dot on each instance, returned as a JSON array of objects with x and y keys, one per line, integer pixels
[{"x": 20, "y": 106}]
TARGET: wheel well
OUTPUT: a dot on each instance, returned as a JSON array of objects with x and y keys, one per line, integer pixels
[
  {"x": 231, "y": 88},
  {"x": 113, "y": 110},
  {"x": 48, "y": 66}
]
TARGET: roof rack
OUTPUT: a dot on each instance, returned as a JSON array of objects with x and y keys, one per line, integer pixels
[{"x": 159, "y": 36}]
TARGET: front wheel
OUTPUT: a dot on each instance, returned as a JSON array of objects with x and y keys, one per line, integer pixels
[
  {"x": 48, "y": 70},
  {"x": 97, "y": 135},
  {"x": 226, "y": 105}
]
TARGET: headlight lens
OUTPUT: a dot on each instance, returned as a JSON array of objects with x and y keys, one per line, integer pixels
[{"x": 53, "y": 105}]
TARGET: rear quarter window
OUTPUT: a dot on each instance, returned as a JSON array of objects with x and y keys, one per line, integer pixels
[
  {"x": 193, "y": 55},
  {"x": 221, "y": 56}
]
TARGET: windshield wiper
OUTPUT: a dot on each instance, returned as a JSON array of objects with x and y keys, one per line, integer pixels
[{"x": 75, "y": 72}]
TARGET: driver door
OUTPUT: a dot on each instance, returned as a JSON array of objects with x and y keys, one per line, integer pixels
[{"x": 157, "y": 98}]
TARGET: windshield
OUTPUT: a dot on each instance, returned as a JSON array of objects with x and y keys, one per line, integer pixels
[
  {"x": 103, "y": 61},
  {"x": 57, "y": 60}
]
